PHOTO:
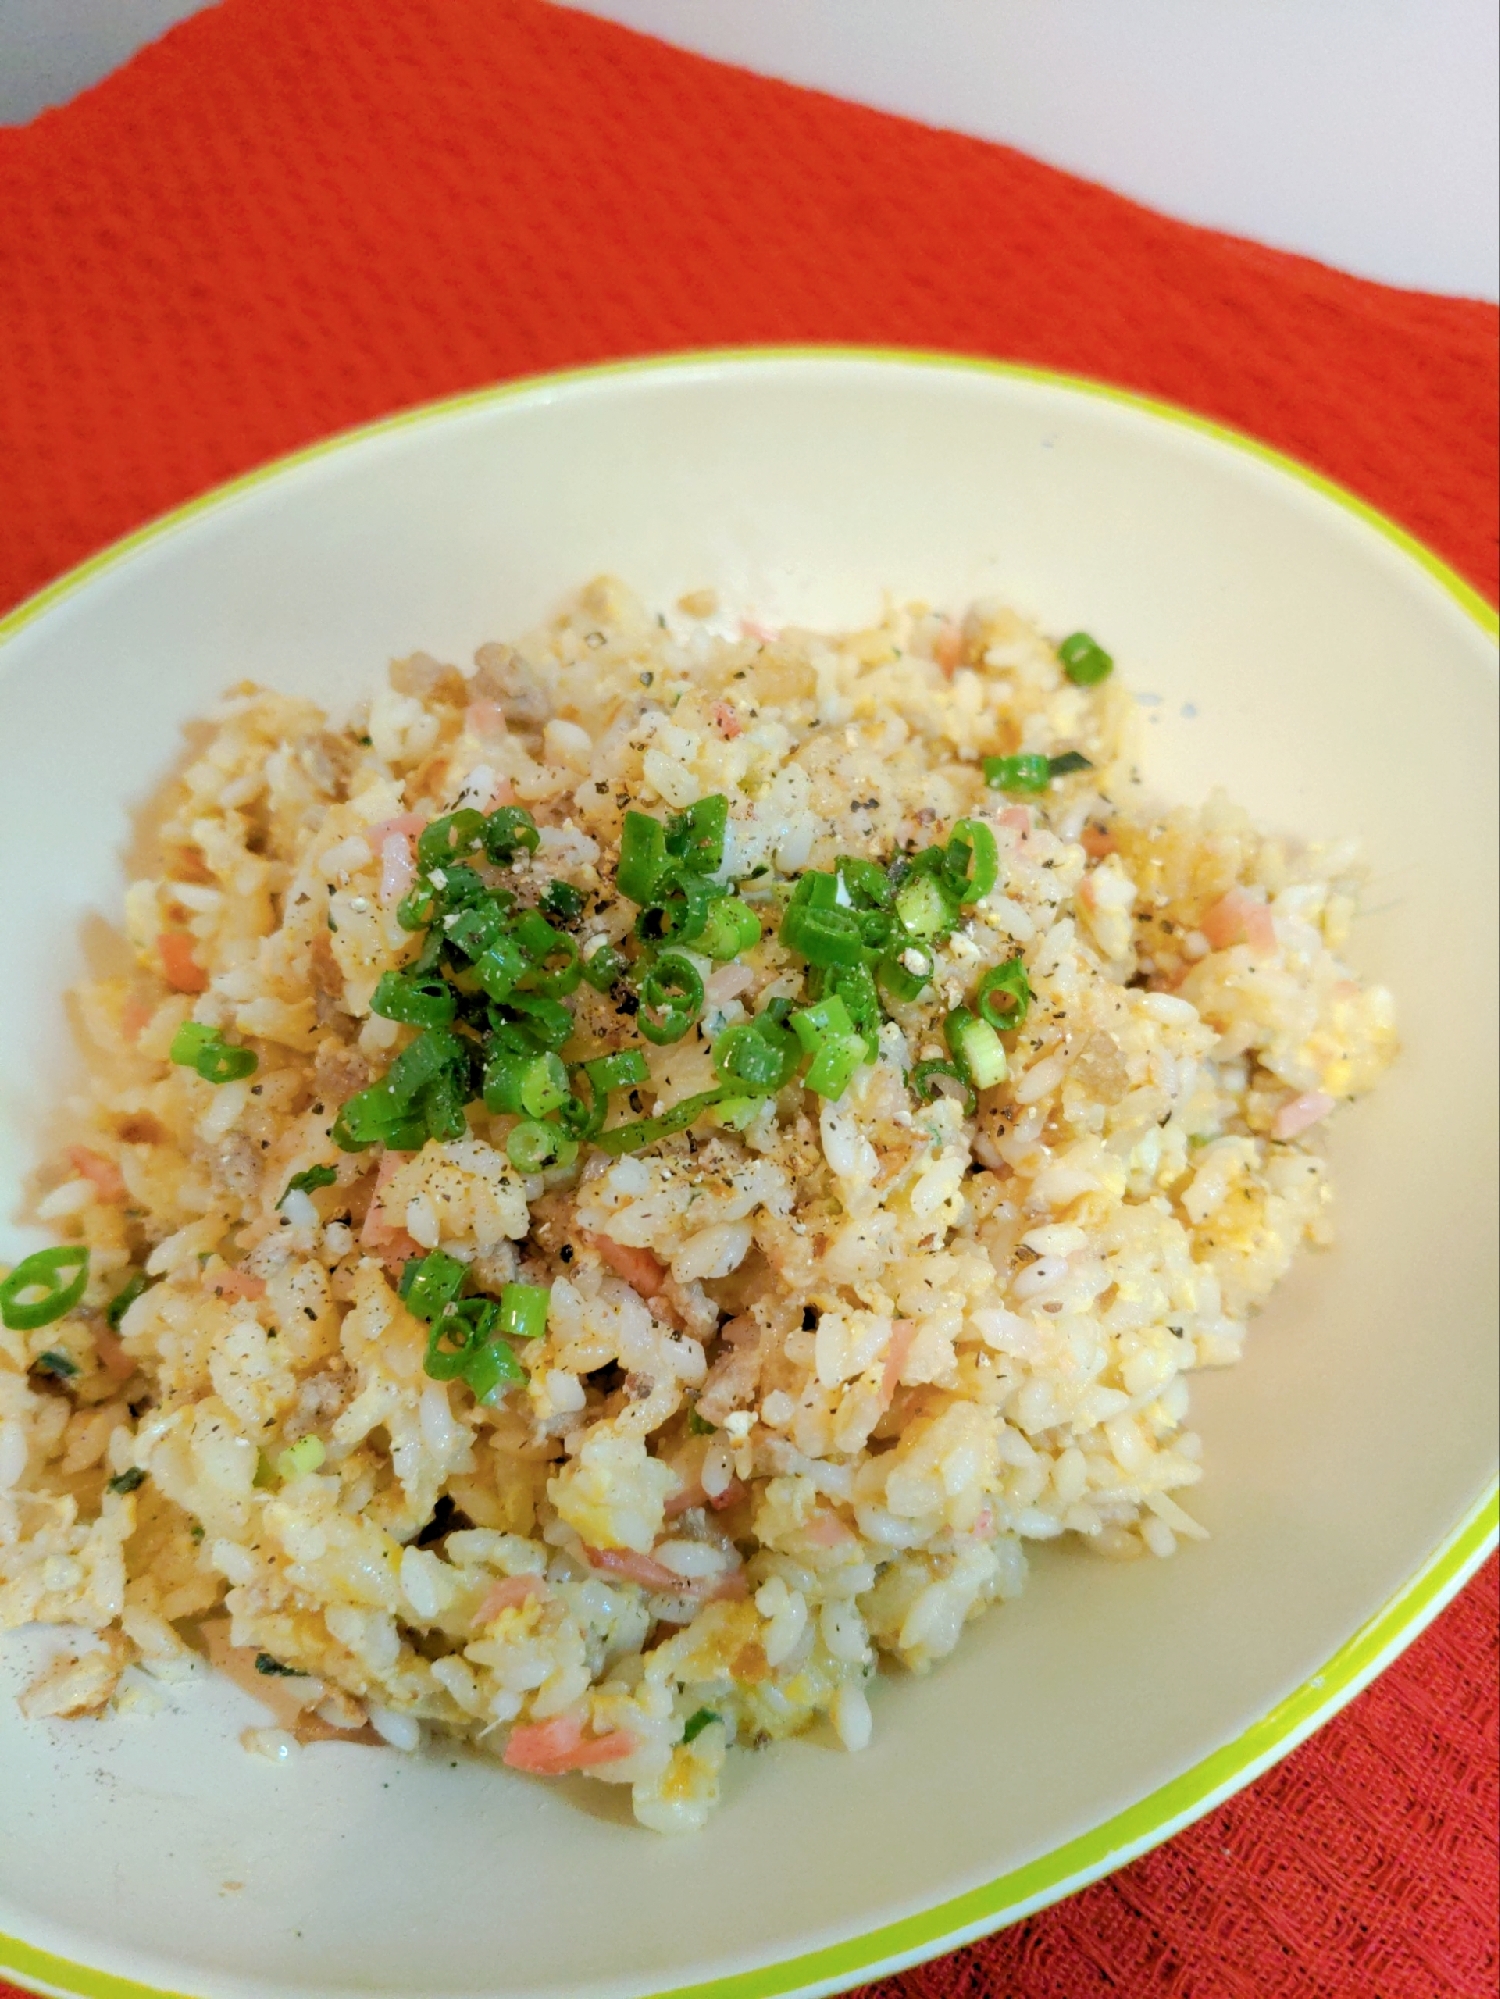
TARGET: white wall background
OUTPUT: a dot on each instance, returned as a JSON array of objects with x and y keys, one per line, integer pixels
[{"x": 1362, "y": 132}]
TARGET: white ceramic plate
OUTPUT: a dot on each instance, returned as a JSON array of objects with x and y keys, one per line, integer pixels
[{"x": 1305, "y": 655}]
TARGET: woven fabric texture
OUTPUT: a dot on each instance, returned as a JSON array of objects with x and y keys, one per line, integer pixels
[{"x": 282, "y": 220}]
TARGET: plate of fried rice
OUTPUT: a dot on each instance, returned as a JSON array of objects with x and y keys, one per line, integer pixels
[{"x": 745, "y": 1123}]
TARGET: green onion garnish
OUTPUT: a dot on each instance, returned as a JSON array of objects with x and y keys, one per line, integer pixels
[
  {"x": 835, "y": 1062},
  {"x": 523, "y": 1310},
  {"x": 425, "y": 1001},
  {"x": 508, "y": 829},
  {"x": 533, "y": 1146},
  {"x": 301, "y": 1183},
  {"x": 972, "y": 865},
  {"x": 928, "y": 1078},
  {"x": 543, "y": 1085},
  {"x": 61, "y": 1366},
  {"x": 120, "y": 1304},
  {"x": 562, "y": 900},
  {"x": 1084, "y": 660},
  {"x": 431, "y": 1282},
  {"x": 924, "y": 906},
  {"x": 622, "y": 1071},
  {"x": 61, "y": 1276},
  {"x": 454, "y": 837},
  {"x": 824, "y": 936},
  {"x": 492, "y": 1368},
  {"x": 126, "y": 1481},
  {"x": 1023, "y": 773},
  {"x": 303, "y": 1456},
  {"x": 812, "y": 1025},
  {"x": 646, "y": 1131},
  {"x": 732, "y": 926},
  {"x": 264, "y": 1663},
  {"x": 899, "y": 980},
  {"x": 671, "y": 998},
  {"x": 206, "y": 1050},
  {"x": 976, "y": 1048},
  {"x": 695, "y": 1724},
  {"x": 604, "y": 966},
  {"x": 867, "y": 885},
  {"x": 1004, "y": 995},
  {"x": 643, "y": 857},
  {"x": 1067, "y": 763}
]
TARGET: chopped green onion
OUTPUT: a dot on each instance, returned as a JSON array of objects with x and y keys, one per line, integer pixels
[
  {"x": 508, "y": 828},
  {"x": 476, "y": 927},
  {"x": 855, "y": 986},
  {"x": 303, "y": 1456},
  {"x": 61, "y": 1366},
  {"x": 732, "y": 926},
  {"x": 621, "y": 1071},
  {"x": 1067, "y": 763},
  {"x": 534, "y": 1146},
  {"x": 925, "y": 907},
  {"x": 867, "y": 884},
  {"x": 1084, "y": 660},
  {"x": 543, "y": 1085},
  {"x": 490, "y": 1369},
  {"x": 671, "y": 999},
  {"x": 300, "y": 1183},
  {"x": 503, "y": 1070},
  {"x": 498, "y": 968},
  {"x": 523, "y": 1310},
  {"x": 452, "y": 838},
  {"x": 646, "y": 1131},
  {"x": 416, "y": 1002},
  {"x": 973, "y": 863},
  {"x": 130, "y": 1480},
  {"x": 431, "y": 1283},
  {"x": 824, "y": 936},
  {"x": 604, "y": 966},
  {"x": 813, "y": 1025},
  {"x": 836, "y": 1060},
  {"x": 695, "y": 1724},
  {"x": 817, "y": 890},
  {"x": 976, "y": 1048},
  {"x": 1018, "y": 774},
  {"x": 737, "y": 1112},
  {"x": 1004, "y": 995},
  {"x": 695, "y": 837},
  {"x": 122, "y": 1301},
  {"x": 644, "y": 863},
  {"x": 680, "y": 911},
  {"x": 61, "y": 1275},
  {"x": 927, "y": 1081},
  {"x": 759, "y": 1053},
  {"x": 206, "y": 1050},
  {"x": 545, "y": 1018},
  {"x": 417, "y": 907},
  {"x": 562, "y": 900},
  {"x": 898, "y": 980},
  {"x": 440, "y": 1106},
  {"x": 264, "y": 1663}
]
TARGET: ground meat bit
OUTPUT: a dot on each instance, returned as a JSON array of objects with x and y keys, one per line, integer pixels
[
  {"x": 429, "y": 680},
  {"x": 518, "y": 690}
]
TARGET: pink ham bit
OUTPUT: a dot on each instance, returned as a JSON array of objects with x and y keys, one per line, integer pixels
[
  {"x": 1295, "y": 1117},
  {"x": 949, "y": 649},
  {"x": 643, "y": 1272},
  {"x": 391, "y": 843},
  {"x": 635, "y": 1568},
  {"x": 103, "y": 1172},
  {"x": 507, "y": 1594},
  {"x": 826, "y": 1530},
  {"x": 484, "y": 720},
  {"x": 903, "y": 1332},
  {"x": 1017, "y": 818},
  {"x": 725, "y": 720},
  {"x": 233, "y": 1283},
  {"x": 551, "y": 1748},
  {"x": 135, "y": 1016},
  {"x": 694, "y": 1495},
  {"x": 731, "y": 1587},
  {"x": 180, "y": 968},
  {"x": 379, "y": 1231},
  {"x": 1098, "y": 842},
  {"x": 753, "y": 629},
  {"x": 113, "y": 1358},
  {"x": 1238, "y": 918}
]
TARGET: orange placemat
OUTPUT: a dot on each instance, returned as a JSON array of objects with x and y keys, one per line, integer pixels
[{"x": 286, "y": 218}]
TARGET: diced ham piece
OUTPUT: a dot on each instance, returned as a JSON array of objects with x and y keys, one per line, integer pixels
[
  {"x": 486, "y": 721},
  {"x": 1238, "y": 918},
  {"x": 134, "y": 1017},
  {"x": 379, "y": 1231},
  {"x": 753, "y": 629},
  {"x": 1017, "y": 818},
  {"x": 725, "y": 720},
  {"x": 551, "y": 1748},
  {"x": 179, "y": 967},
  {"x": 903, "y": 1332},
  {"x": 116, "y": 1363},
  {"x": 826, "y": 1530},
  {"x": 101, "y": 1171},
  {"x": 507, "y": 1594},
  {"x": 639, "y": 1268},
  {"x": 1098, "y": 842},
  {"x": 636, "y": 1568},
  {"x": 694, "y": 1495},
  {"x": 234, "y": 1283},
  {"x": 949, "y": 649},
  {"x": 1300, "y": 1113}
]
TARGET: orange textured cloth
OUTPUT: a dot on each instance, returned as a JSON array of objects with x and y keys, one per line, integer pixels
[{"x": 284, "y": 219}]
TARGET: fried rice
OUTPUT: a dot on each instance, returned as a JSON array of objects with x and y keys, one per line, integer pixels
[{"x": 811, "y": 1370}]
